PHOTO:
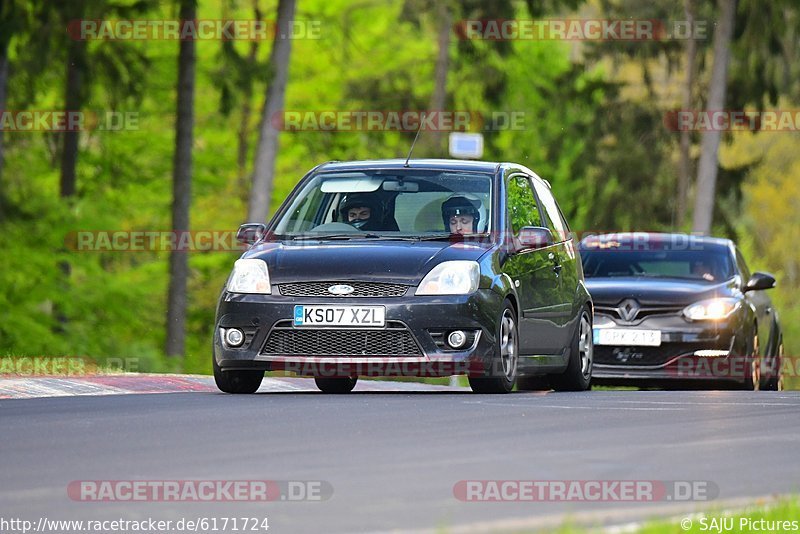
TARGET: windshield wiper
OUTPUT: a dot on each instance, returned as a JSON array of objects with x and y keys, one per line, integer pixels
[
  {"x": 661, "y": 275},
  {"x": 437, "y": 237},
  {"x": 455, "y": 237},
  {"x": 323, "y": 236},
  {"x": 389, "y": 237},
  {"x": 345, "y": 237}
]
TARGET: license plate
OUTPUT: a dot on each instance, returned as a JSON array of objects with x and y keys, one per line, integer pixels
[
  {"x": 626, "y": 336},
  {"x": 339, "y": 315}
]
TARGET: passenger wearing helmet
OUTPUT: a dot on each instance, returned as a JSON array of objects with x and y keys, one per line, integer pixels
[
  {"x": 461, "y": 215},
  {"x": 361, "y": 210}
]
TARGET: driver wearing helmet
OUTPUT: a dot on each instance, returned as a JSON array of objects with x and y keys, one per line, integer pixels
[
  {"x": 461, "y": 215},
  {"x": 361, "y": 210}
]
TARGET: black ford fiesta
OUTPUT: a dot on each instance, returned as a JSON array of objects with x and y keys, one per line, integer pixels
[
  {"x": 679, "y": 309},
  {"x": 420, "y": 268}
]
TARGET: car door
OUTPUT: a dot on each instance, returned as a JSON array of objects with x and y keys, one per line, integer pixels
[
  {"x": 565, "y": 263},
  {"x": 531, "y": 271}
]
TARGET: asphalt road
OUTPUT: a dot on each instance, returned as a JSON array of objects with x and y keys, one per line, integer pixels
[{"x": 392, "y": 459}]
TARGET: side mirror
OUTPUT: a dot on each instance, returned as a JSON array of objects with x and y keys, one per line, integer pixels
[
  {"x": 535, "y": 237},
  {"x": 760, "y": 281},
  {"x": 250, "y": 233}
]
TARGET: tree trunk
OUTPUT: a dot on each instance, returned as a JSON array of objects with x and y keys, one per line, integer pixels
[
  {"x": 267, "y": 149},
  {"x": 242, "y": 135},
  {"x": 439, "y": 97},
  {"x": 181, "y": 189},
  {"x": 709, "y": 147},
  {"x": 244, "y": 125},
  {"x": 73, "y": 101},
  {"x": 685, "y": 172},
  {"x": 3, "y": 85}
]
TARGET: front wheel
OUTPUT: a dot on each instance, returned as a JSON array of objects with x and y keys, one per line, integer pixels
[
  {"x": 578, "y": 374},
  {"x": 237, "y": 381},
  {"x": 773, "y": 381},
  {"x": 752, "y": 379},
  {"x": 503, "y": 368},
  {"x": 336, "y": 385}
]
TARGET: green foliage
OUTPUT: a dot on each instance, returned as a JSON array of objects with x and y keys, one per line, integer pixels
[
  {"x": 770, "y": 223},
  {"x": 595, "y": 134}
]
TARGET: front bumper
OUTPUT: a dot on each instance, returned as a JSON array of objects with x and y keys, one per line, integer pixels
[
  {"x": 689, "y": 352},
  {"x": 411, "y": 343}
]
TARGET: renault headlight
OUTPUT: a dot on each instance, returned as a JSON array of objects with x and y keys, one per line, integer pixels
[
  {"x": 249, "y": 276},
  {"x": 451, "y": 278},
  {"x": 711, "y": 309}
]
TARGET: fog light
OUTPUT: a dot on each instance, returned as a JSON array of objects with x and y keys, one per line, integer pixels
[
  {"x": 456, "y": 339},
  {"x": 711, "y": 353},
  {"x": 234, "y": 337}
]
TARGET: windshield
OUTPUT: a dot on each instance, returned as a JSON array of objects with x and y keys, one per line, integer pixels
[
  {"x": 701, "y": 265},
  {"x": 389, "y": 204}
]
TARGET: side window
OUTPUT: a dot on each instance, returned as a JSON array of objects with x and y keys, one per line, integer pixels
[
  {"x": 556, "y": 221},
  {"x": 305, "y": 213},
  {"x": 522, "y": 207},
  {"x": 743, "y": 270}
]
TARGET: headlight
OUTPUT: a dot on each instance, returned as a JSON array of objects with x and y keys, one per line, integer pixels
[
  {"x": 249, "y": 276},
  {"x": 451, "y": 278},
  {"x": 711, "y": 309}
]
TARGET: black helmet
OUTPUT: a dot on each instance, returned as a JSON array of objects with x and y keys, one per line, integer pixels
[
  {"x": 360, "y": 200},
  {"x": 461, "y": 205}
]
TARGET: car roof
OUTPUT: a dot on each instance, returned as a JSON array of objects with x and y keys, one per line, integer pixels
[
  {"x": 425, "y": 164},
  {"x": 656, "y": 238}
]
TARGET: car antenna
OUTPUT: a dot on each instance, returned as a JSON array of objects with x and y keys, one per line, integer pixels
[{"x": 421, "y": 122}]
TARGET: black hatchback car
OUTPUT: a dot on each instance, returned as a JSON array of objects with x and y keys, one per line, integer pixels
[
  {"x": 680, "y": 309},
  {"x": 420, "y": 268}
]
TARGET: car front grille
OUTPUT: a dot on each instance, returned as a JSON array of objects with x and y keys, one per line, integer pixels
[
  {"x": 641, "y": 355},
  {"x": 360, "y": 289},
  {"x": 394, "y": 340},
  {"x": 642, "y": 313}
]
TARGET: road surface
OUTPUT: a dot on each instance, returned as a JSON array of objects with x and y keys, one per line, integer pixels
[{"x": 390, "y": 460}]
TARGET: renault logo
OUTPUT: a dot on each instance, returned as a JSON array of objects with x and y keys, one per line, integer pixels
[
  {"x": 628, "y": 309},
  {"x": 340, "y": 289}
]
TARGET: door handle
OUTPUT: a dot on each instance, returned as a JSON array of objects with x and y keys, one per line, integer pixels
[{"x": 556, "y": 265}]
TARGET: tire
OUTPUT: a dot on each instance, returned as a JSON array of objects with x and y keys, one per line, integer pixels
[
  {"x": 237, "y": 381},
  {"x": 502, "y": 373},
  {"x": 336, "y": 385},
  {"x": 533, "y": 383},
  {"x": 752, "y": 378},
  {"x": 578, "y": 374},
  {"x": 774, "y": 380}
]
